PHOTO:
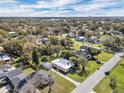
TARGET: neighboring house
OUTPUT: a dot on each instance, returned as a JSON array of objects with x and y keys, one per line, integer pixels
[
  {"x": 42, "y": 40},
  {"x": 80, "y": 38},
  {"x": 62, "y": 64},
  {"x": 94, "y": 39},
  {"x": 46, "y": 65},
  {"x": 17, "y": 80},
  {"x": 83, "y": 53},
  {"x": 4, "y": 57},
  {"x": 71, "y": 35},
  {"x": 45, "y": 40},
  {"x": 40, "y": 79}
]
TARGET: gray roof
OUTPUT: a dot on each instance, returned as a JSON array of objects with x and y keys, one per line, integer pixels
[
  {"x": 2, "y": 74},
  {"x": 46, "y": 65},
  {"x": 14, "y": 72},
  {"x": 2, "y": 70},
  {"x": 18, "y": 81},
  {"x": 40, "y": 79}
]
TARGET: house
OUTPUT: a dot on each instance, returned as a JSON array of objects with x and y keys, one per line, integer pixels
[
  {"x": 71, "y": 35},
  {"x": 4, "y": 69},
  {"x": 46, "y": 65},
  {"x": 41, "y": 41},
  {"x": 4, "y": 57},
  {"x": 40, "y": 79},
  {"x": 94, "y": 39},
  {"x": 62, "y": 64},
  {"x": 15, "y": 79},
  {"x": 35, "y": 81},
  {"x": 80, "y": 38},
  {"x": 83, "y": 53},
  {"x": 45, "y": 40}
]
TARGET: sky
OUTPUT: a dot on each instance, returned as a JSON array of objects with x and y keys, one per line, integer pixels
[{"x": 61, "y": 8}]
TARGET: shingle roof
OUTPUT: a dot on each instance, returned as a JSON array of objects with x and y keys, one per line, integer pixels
[
  {"x": 18, "y": 81},
  {"x": 14, "y": 72},
  {"x": 64, "y": 63}
]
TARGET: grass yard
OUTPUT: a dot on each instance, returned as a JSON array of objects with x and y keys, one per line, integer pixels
[
  {"x": 103, "y": 37},
  {"x": 117, "y": 73},
  {"x": 92, "y": 67},
  {"x": 104, "y": 56},
  {"x": 61, "y": 85},
  {"x": 76, "y": 46},
  {"x": 28, "y": 71}
]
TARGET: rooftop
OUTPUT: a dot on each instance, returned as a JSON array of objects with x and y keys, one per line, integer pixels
[{"x": 64, "y": 63}]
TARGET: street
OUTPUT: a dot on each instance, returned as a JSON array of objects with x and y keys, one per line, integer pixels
[{"x": 88, "y": 85}]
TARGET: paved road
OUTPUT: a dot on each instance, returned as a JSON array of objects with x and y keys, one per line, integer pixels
[
  {"x": 67, "y": 78},
  {"x": 96, "y": 77}
]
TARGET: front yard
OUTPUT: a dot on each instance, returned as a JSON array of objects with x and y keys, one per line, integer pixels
[
  {"x": 117, "y": 73},
  {"x": 104, "y": 56},
  {"x": 91, "y": 68},
  {"x": 61, "y": 85}
]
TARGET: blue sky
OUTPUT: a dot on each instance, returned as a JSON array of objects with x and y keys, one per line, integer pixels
[{"x": 61, "y": 8}]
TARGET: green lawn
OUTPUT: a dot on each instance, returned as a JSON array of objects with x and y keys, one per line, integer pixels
[
  {"x": 91, "y": 67},
  {"x": 28, "y": 71},
  {"x": 103, "y": 37},
  {"x": 104, "y": 56},
  {"x": 117, "y": 73},
  {"x": 61, "y": 85},
  {"x": 77, "y": 44}
]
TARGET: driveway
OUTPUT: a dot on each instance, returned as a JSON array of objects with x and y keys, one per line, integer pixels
[
  {"x": 96, "y": 77},
  {"x": 67, "y": 78}
]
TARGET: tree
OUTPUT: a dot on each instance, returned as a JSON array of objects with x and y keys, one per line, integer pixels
[
  {"x": 1, "y": 39},
  {"x": 66, "y": 42},
  {"x": 25, "y": 58},
  {"x": 74, "y": 60},
  {"x": 35, "y": 57},
  {"x": 93, "y": 52},
  {"x": 66, "y": 54},
  {"x": 54, "y": 40},
  {"x": 44, "y": 59},
  {"x": 14, "y": 47},
  {"x": 84, "y": 63},
  {"x": 121, "y": 29},
  {"x": 113, "y": 84}
]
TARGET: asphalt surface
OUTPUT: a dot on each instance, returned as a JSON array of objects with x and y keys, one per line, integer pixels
[{"x": 88, "y": 85}]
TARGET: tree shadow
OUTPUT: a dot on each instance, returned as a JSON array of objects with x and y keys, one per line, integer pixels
[{"x": 122, "y": 65}]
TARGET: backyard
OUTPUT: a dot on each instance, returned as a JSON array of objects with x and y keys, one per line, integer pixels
[{"x": 117, "y": 73}]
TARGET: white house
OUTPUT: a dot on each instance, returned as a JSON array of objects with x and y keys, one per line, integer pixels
[
  {"x": 80, "y": 38},
  {"x": 4, "y": 57},
  {"x": 62, "y": 64}
]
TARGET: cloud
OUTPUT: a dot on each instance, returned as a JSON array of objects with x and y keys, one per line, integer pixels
[{"x": 52, "y": 8}]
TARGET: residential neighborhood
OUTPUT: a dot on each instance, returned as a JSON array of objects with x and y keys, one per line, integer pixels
[
  {"x": 41, "y": 62},
  {"x": 61, "y": 46}
]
